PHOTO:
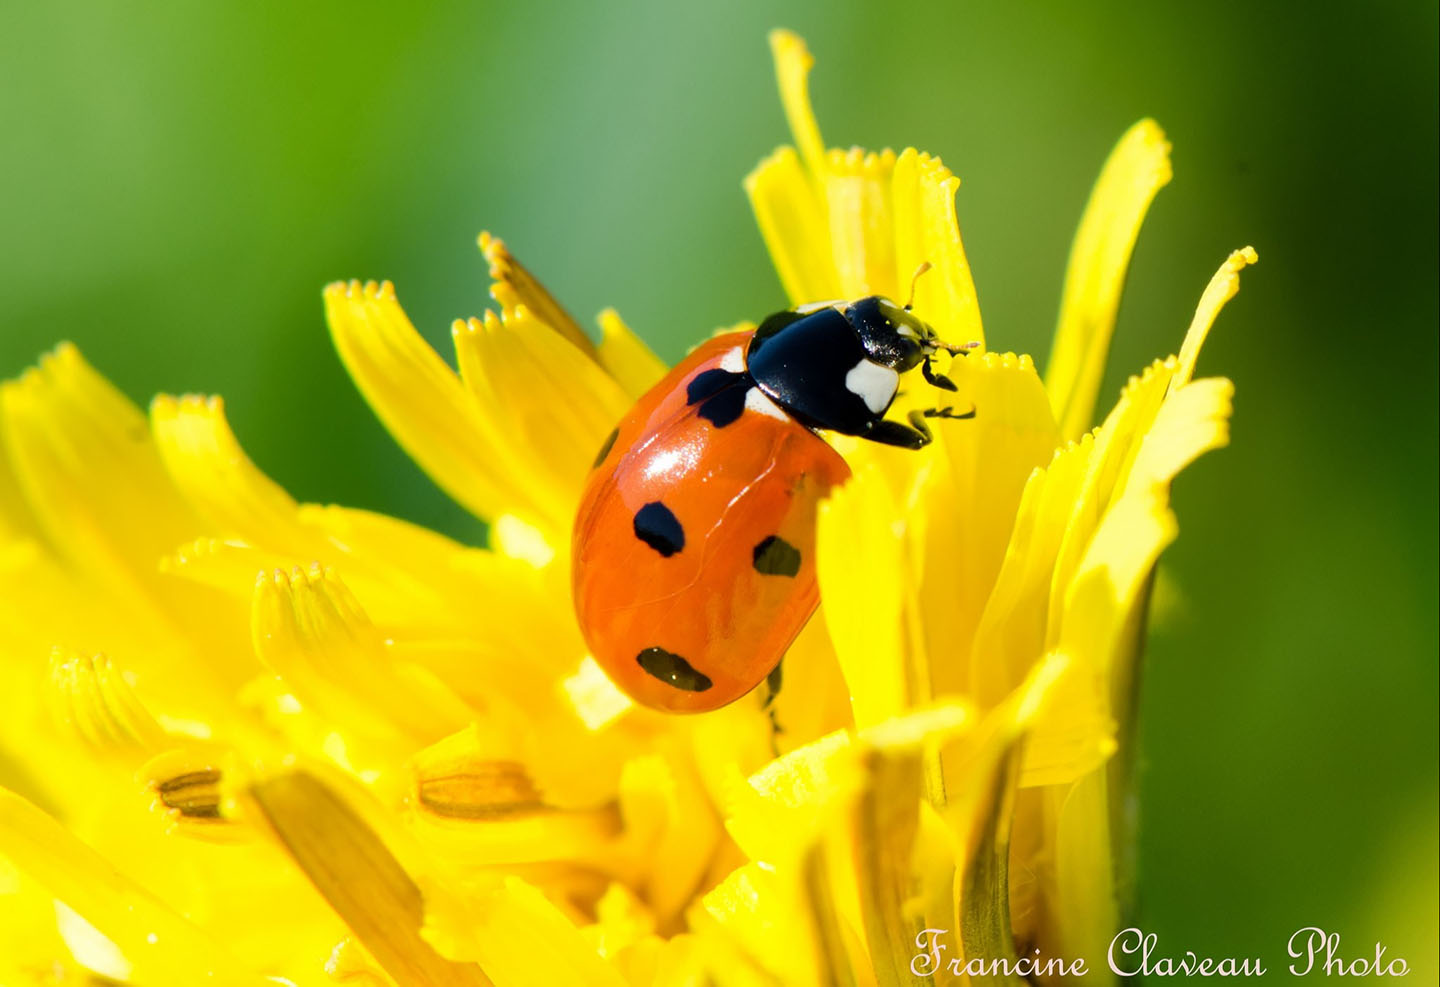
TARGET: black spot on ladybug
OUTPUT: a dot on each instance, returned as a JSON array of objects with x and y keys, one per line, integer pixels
[
  {"x": 605, "y": 448},
  {"x": 657, "y": 526},
  {"x": 724, "y": 407},
  {"x": 709, "y": 383},
  {"x": 671, "y": 669},
  {"x": 777, "y": 557}
]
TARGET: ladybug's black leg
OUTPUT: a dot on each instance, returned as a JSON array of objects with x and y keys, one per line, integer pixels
[
  {"x": 772, "y": 685},
  {"x": 946, "y": 412},
  {"x": 891, "y": 433},
  {"x": 936, "y": 379},
  {"x": 773, "y": 682}
]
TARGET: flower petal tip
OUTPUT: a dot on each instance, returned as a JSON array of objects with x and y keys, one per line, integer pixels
[{"x": 793, "y": 62}]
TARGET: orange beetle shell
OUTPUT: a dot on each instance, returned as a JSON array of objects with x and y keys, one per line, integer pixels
[{"x": 733, "y": 490}]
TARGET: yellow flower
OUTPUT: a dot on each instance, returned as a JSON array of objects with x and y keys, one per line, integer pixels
[{"x": 388, "y": 758}]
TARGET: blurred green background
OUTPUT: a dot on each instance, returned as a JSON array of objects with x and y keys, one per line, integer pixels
[{"x": 179, "y": 181}]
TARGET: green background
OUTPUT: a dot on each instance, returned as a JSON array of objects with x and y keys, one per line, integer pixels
[{"x": 179, "y": 181}]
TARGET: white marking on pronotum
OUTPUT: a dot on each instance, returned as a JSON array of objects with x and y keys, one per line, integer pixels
[
  {"x": 757, "y": 401},
  {"x": 733, "y": 361},
  {"x": 875, "y": 384}
]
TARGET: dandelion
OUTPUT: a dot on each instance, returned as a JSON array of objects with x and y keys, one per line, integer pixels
[{"x": 388, "y": 759}]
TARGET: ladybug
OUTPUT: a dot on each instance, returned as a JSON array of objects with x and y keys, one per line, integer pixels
[{"x": 693, "y": 550}]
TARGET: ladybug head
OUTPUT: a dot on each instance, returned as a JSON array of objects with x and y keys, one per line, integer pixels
[{"x": 891, "y": 334}]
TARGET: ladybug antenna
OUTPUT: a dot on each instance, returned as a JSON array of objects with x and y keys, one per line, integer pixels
[
  {"x": 924, "y": 266},
  {"x": 956, "y": 349}
]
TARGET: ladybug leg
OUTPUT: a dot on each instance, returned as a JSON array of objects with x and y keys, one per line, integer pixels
[
  {"x": 935, "y": 379},
  {"x": 773, "y": 681},
  {"x": 946, "y": 412},
  {"x": 891, "y": 433},
  {"x": 772, "y": 685}
]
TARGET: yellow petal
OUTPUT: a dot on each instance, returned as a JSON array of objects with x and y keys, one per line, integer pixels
[
  {"x": 351, "y": 965},
  {"x": 633, "y": 365},
  {"x": 1098, "y": 600},
  {"x": 770, "y": 922},
  {"x": 218, "y": 479},
  {"x": 414, "y": 580},
  {"x": 1221, "y": 289},
  {"x": 886, "y": 820},
  {"x": 515, "y": 287},
  {"x": 595, "y": 699},
  {"x": 1099, "y": 627},
  {"x": 93, "y": 697},
  {"x": 1012, "y": 629},
  {"x": 407, "y": 576},
  {"x": 971, "y": 500},
  {"x": 420, "y": 401},
  {"x": 552, "y": 404},
  {"x": 309, "y": 629},
  {"x": 850, "y": 224},
  {"x": 88, "y": 468},
  {"x": 1192, "y": 421},
  {"x": 17, "y": 523},
  {"x": 31, "y": 946},
  {"x": 862, "y": 226},
  {"x": 795, "y": 228},
  {"x": 856, "y": 798},
  {"x": 927, "y": 230},
  {"x": 161, "y": 946},
  {"x": 359, "y": 876},
  {"x": 1078, "y": 736},
  {"x": 89, "y": 471},
  {"x": 792, "y": 69},
  {"x": 1115, "y": 445},
  {"x": 517, "y": 936},
  {"x": 671, "y": 825},
  {"x": 863, "y": 568},
  {"x": 1134, "y": 172},
  {"x": 1084, "y": 900},
  {"x": 982, "y": 771}
]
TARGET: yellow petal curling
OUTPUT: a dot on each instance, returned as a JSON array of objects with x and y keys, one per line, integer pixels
[
  {"x": 205, "y": 461},
  {"x": 793, "y": 62},
  {"x": 515, "y": 288},
  {"x": 1222, "y": 287},
  {"x": 1137, "y": 169}
]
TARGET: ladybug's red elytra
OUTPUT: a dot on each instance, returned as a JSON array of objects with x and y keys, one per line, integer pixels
[{"x": 693, "y": 549}]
